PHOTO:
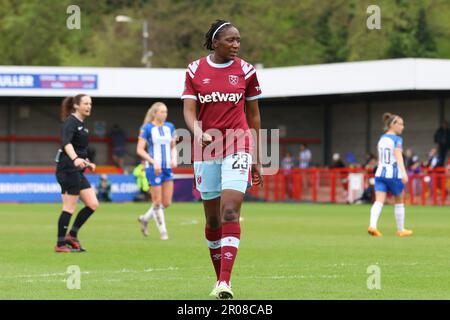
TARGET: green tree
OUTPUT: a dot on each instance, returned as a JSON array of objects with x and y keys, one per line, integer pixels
[
  {"x": 274, "y": 33},
  {"x": 426, "y": 46},
  {"x": 411, "y": 36},
  {"x": 324, "y": 36},
  {"x": 402, "y": 40}
]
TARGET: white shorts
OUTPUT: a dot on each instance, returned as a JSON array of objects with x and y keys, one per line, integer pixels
[{"x": 213, "y": 176}]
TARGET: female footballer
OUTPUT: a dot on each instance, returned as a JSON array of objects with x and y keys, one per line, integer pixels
[
  {"x": 220, "y": 107},
  {"x": 391, "y": 175},
  {"x": 160, "y": 156},
  {"x": 71, "y": 161}
]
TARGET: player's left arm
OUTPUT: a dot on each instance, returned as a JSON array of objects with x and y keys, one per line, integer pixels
[
  {"x": 254, "y": 121},
  {"x": 401, "y": 164},
  {"x": 173, "y": 149}
]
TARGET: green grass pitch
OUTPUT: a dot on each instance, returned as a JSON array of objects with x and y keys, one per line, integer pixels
[{"x": 287, "y": 251}]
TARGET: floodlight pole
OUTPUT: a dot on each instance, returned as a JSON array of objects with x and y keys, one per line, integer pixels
[{"x": 146, "y": 54}]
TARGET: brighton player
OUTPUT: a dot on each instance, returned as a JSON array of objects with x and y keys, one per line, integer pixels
[
  {"x": 221, "y": 101},
  {"x": 391, "y": 175},
  {"x": 160, "y": 157}
]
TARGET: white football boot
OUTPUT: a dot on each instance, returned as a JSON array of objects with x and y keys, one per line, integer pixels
[
  {"x": 223, "y": 291},
  {"x": 144, "y": 226}
]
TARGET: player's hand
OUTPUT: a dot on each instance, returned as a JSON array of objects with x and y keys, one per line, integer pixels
[
  {"x": 90, "y": 165},
  {"x": 174, "y": 164},
  {"x": 405, "y": 179},
  {"x": 79, "y": 163},
  {"x": 157, "y": 169},
  {"x": 206, "y": 139},
  {"x": 257, "y": 178}
]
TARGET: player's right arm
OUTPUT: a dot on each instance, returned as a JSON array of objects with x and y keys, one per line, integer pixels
[
  {"x": 190, "y": 117},
  {"x": 77, "y": 162},
  {"x": 68, "y": 131},
  {"x": 190, "y": 107}
]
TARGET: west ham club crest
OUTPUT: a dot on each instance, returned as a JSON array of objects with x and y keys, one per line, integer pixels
[{"x": 233, "y": 79}]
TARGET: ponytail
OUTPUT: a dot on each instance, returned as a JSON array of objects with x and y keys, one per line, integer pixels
[
  {"x": 68, "y": 105},
  {"x": 66, "y": 108}
]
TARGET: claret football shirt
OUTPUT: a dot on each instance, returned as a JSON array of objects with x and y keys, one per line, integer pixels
[{"x": 220, "y": 91}]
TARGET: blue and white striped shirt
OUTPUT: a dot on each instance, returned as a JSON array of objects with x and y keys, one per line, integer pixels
[
  {"x": 158, "y": 141},
  {"x": 387, "y": 163}
]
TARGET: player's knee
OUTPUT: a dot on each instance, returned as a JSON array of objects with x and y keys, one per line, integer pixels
[
  {"x": 230, "y": 214},
  {"x": 166, "y": 204}
]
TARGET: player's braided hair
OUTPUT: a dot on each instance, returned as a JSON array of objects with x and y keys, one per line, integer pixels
[
  {"x": 214, "y": 27},
  {"x": 67, "y": 106}
]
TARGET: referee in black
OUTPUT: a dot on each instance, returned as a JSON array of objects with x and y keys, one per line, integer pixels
[{"x": 71, "y": 161}]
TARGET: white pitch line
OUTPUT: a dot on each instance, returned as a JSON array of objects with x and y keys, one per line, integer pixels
[
  {"x": 172, "y": 268},
  {"x": 343, "y": 264},
  {"x": 172, "y": 278},
  {"x": 42, "y": 275},
  {"x": 189, "y": 223},
  {"x": 323, "y": 276},
  {"x": 58, "y": 274}
]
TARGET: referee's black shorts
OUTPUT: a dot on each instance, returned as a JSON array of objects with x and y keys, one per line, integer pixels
[{"x": 72, "y": 182}]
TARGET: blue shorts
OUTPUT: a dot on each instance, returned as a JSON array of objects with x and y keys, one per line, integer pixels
[
  {"x": 213, "y": 176},
  {"x": 393, "y": 186},
  {"x": 165, "y": 175}
]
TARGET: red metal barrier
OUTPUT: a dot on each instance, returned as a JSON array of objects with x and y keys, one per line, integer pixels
[
  {"x": 324, "y": 185},
  {"x": 333, "y": 187},
  {"x": 320, "y": 185},
  {"x": 411, "y": 191},
  {"x": 443, "y": 190}
]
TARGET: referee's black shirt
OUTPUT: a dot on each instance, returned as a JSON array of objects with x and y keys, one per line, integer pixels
[{"x": 73, "y": 132}]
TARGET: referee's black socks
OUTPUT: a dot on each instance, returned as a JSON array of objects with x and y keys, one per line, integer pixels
[
  {"x": 63, "y": 224},
  {"x": 81, "y": 218}
]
